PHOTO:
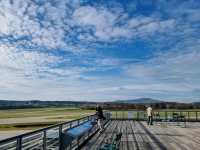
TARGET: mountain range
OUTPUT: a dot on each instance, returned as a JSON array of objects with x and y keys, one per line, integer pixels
[{"x": 140, "y": 101}]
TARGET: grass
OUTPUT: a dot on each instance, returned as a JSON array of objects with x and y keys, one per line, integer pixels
[
  {"x": 25, "y": 126},
  {"x": 40, "y": 112},
  {"x": 69, "y": 117},
  {"x": 51, "y": 115}
]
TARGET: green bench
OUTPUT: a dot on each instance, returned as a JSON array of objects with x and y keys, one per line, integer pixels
[{"x": 114, "y": 144}]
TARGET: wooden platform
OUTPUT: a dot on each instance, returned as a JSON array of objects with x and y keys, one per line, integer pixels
[{"x": 138, "y": 136}]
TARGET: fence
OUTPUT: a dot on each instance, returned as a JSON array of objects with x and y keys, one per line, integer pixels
[
  {"x": 158, "y": 115},
  {"x": 47, "y": 138}
]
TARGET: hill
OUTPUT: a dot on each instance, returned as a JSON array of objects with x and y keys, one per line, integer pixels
[
  {"x": 5, "y": 104},
  {"x": 140, "y": 101}
]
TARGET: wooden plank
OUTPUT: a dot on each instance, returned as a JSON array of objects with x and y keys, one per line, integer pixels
[
  {"x": 174, "y": 138},
  {"x": 98, "y": 139},
  {"x": 147, "y": 140},
  {"x": 138, "y": 136},
  {"x": 134, "y": 141}
]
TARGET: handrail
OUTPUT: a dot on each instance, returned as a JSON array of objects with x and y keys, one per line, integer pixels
[
  {"x": 157, "y": 110},
  {"x": 41, "y": 136},
  {"x": 190, "y": 115},
  {"x": 42, "y": 129}
]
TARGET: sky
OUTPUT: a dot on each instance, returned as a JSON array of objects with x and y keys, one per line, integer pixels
[{"x": 100, "y": 50}]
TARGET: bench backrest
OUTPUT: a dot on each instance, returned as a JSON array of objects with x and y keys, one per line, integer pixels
[{"x": 116, "y": 140}]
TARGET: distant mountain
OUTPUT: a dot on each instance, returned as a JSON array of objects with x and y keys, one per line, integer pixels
[
  {"x": 4, "y": 104},
  {"x": 140, "y": 101},
  {"x": 196, "y": 103}
]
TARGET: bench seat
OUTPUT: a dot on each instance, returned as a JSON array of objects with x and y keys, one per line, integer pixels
[
  {"x": 80, "y": 130},
  {"x": 75, "y": 133}
]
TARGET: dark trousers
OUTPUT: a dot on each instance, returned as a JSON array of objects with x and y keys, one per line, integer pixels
[{"x": 150, "y": 120}]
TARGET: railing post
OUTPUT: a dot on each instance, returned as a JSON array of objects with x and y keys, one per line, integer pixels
[
  {"x": 19, "y": 143},
  {"x": 137, "y": 115},
  {"x": 44, "y": 140},
  {"x": 196, "y": 116},
  {"x": 165, "y": 115},
  {"x": 70, "y": 125},
  {"x": 78, "y": 142},
  {"x": 60, "y": 137}
]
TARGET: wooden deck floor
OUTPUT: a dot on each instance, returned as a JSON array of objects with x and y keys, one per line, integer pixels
[{"x": 138, "y": 136}]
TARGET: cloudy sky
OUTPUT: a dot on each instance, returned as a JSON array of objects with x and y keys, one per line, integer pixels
[{"x": 99, "y": 50}]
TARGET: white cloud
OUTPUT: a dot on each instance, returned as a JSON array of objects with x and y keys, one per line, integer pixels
[
  {"x": 174, "y": 74},
  {"x": 25, "y": 62},
  {"x": 101, "y": 19},
  {"x": 67, "y": 26},
  {"x": 139, "y": 21},
  {"x": 168, "y": 66},
  {"x": 21, "y": 19},
  {"x": 104, "y": 23},
  {"x": 55, "y": 26}
]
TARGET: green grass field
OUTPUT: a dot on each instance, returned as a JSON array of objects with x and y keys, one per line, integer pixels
[
  {"x": 18, "y": 119},
  {"x": 38, "y": 112},
  {"x": 25, "y": 126}
]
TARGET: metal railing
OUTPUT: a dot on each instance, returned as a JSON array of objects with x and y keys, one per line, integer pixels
[
  {"x": 158, "y": 115},
  {"x": 47, "y": 138}
]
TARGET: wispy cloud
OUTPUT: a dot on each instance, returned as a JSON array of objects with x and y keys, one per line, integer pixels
[{"x": 78, "y": 50}]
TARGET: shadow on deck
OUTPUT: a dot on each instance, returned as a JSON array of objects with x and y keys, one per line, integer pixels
[{"x": 137, "y": 135}]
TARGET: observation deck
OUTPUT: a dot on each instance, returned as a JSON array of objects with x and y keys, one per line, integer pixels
[{"x": 167, "y": 133}]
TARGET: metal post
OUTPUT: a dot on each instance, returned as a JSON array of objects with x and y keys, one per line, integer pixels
[
  {"x": 44, "y": 140},
  {"x": 70, "y": 125},
  {"x": 196, "y": 116},
  {"x": 60, "y": 137},
  {"x": 165, "y": 115},
  {"x": 19, "y": 143},
  {"x": 78, "y": 142}
]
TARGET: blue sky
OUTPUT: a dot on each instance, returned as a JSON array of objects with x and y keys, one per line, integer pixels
[{"x": 100, "y": 50}]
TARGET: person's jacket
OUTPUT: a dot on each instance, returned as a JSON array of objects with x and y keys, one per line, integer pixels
[{"x": 100, "y": 113}]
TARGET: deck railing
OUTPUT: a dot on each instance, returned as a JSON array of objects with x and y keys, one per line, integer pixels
[
  {"x": 46, "y": 138},
  {"x": 158, "y": 115}
]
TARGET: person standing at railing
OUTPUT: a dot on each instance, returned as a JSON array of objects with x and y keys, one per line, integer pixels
[
  {"x": 100, "y": 117},
  {"x": 150, "y": 115}
]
